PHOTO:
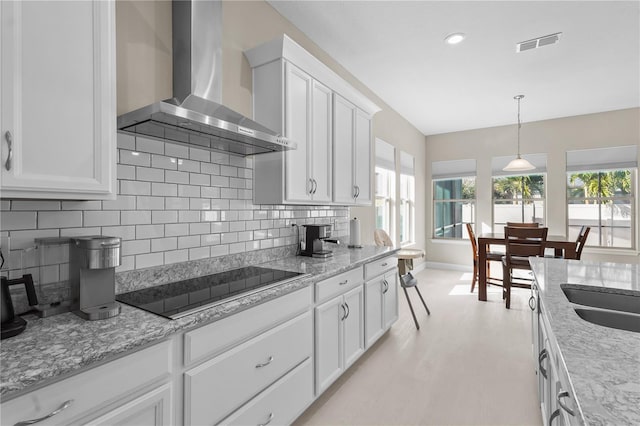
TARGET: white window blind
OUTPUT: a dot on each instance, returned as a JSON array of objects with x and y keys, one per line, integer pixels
[
  {"x": 385, "y": 155},
  {"x": 406, "y": 164},
  {"x": 453, "y": 169},
  {"x": 612, "y": 158},
  {"x": 538, "y": 160}
]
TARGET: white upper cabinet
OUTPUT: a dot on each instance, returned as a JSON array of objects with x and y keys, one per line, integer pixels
[
  {"x": 294, "y": 94},
  {"x": 58, "y": 111}
]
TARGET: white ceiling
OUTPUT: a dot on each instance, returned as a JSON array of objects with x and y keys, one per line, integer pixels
[{"x": 396, "y": 48}]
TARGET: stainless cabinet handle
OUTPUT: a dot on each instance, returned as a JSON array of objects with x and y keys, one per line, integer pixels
[
  {"x": 386, "y": 286},
  {"x": 532, "y": 303},
  {"x": 264, "y": 364},
  {"x": 9, "y": 138},
  {"x": 357, "y": 191},
  {"x": 343, "y": 282},
  {"x": 344, "y": 311},
  {"x": 315, "y": 186},
  {"x": 271, "y": 416},
  {"x": 311, "y": 186},
  {"x": 348, "y": 310},
  {"x": 543, "y": 354},
  {"x": 63, "y": 407},
  {"x": 564, "y": 394},
  {"x": 553, "y": 416}
]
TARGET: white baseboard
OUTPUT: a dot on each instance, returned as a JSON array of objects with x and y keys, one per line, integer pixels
[{"x": 448, "y": 266}]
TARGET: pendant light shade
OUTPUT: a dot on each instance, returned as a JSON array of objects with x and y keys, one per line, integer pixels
[{"x": 519, "y": 164}]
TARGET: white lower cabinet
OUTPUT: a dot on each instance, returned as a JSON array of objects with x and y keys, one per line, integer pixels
[
  {"x": 381, "y": 305},
  {"x": 339, "y": 336},
  {"x": 217, "y": 387},
  {"x": 152, "y": 408}
]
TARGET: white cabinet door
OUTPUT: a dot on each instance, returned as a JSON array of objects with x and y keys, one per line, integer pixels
[
  {"x": 298, "y": 85},
  {"x": 58, "y": 111},
  {"x": 151, "y": 409},
  {"x": 374, "y": 321},
  {"x": 353, "y": 326},
  {"x": 391, "y": 298},
  {"x": 362, "y": 158},
  {"x": 343, "y": 134},
  {"x": 328, "y": 348},
  {"x": 320, "y": 158}
]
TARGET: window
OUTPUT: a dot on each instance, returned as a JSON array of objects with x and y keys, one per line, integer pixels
[
  {"x": 385, "y": 186},
  {"x": 407, "y": 199},
  {"x": 454, "y": 197},
  {"x": 454, "y": 205},
  {"x": 600, "y": 194},
  {"x": 518, "y": 198}
]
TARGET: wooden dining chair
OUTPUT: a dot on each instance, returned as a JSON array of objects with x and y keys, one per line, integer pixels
[
  {"x": 582, "y": 240},
  {"x": 520, "y": 244},
  {"x": 491, "y": 256},
  {"x": 523, "y": 224}
]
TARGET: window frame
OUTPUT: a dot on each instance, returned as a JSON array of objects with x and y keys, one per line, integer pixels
[
  {"x": 471, "y": 201},
  {"x": 521, "y": 200},
  {"x": 388, "y": 199}
]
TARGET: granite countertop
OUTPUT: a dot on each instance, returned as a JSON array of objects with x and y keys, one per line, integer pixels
[
  {"x": 57, "y": 347},
  {"x": 603, "y": 363}
]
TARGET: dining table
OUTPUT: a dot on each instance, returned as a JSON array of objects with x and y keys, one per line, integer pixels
[{"x": 563, "y": 247}]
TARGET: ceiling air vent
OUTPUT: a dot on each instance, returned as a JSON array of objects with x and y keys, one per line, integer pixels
[{"x": 538, "y": 42}]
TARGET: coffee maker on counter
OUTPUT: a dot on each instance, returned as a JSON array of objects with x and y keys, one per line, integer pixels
[
  {"x": 314, "y": 236},
  {"x": 92, "y": 267}
]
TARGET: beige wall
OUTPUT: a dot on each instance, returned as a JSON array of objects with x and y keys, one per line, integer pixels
[
  {"x": 144, "y": 62},
  {"x": 554, "y": 137}
]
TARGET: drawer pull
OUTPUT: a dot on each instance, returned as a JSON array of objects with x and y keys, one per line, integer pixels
[
  {"x": 264, "y": 364},
  {"x": 9, "y": 139},
  {"x": 532, "y": 303},
  {"x": 543, "y": 354},
  {"x": 386, "y": 286},
  {"x": 344, "y": 311},
  {"x": 348, "y": 311},
  {"x": 63, "y": 407},
  {"x": 271, "y": 416},
  {"x": 561, "y": 395},
  {"x": 555, "y": 414},
  {"x": 384, "y": 264},
  {"x": 343, "y": 282}
]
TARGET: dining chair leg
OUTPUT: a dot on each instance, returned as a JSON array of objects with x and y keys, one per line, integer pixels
[
  {"x": 411, "y": 308},
  {"x": 475, "y": 276},
  {"x": 425, "y": 305}
]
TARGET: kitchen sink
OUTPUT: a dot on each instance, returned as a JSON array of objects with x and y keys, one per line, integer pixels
[
  {"x": 611, "y": 319},
  {"x": 601, "y": 298}
]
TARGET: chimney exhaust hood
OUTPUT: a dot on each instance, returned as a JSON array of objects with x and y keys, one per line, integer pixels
[{"x": 194, "y": 116}]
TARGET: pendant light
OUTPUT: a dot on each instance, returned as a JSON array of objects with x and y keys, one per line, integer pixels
[{"x": 519, "y": 164}]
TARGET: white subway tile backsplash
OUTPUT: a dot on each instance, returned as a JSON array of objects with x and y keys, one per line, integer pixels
[
  {"x": 163, "y": 162},
  {"x": 188, "y": 191},
  {"x": 237, "y": 161},
  {"x": 18, "y": 205},
  {"x": 200, "y": 204},
  {"x": 176, "y": 256},
  {"x": 250, "y": 225},
  {"x": 210, "y": 192},
  {"x": 10, "y": 221},
  {"x": 229, "y": 215},
  {"x": 164, "y": 216},
  {"x": 188, "y": 216},
  {"x": 218, "y": 227},
  {"x": 252, "y": 245},
  {"x": 164, "y": 189},
  {"x": 126, "y": 172},
  {"x": 149, "y": 231},
  {"x": 79, "y": 232},
  {"x": 229, "y": 171},
  {"x": 151, "y": 203},
  {"x": 149, "y": 260},
  {"x": 220, "y": 158},
  {"x": 24, "y": 239},
  {"x": 132, "y": 187},
  {"x": 63, "y": 219},
  {"x": 164, "y": 244},
  {"x": 189, "y": 166},
  {"x": 199, "y": 155},
  {"x": 199, "y": 228},
  {"x": 176, "y": 229},
  {"x": 134, "y": 158},
  {"x": 125, "y": 141},
  {"x": 123, "y": 202},
  {"x": 236, "y": 248},
  {"x": 149, "y": 174},
  {"x": 209, "y": 239},
  {"x": 209, "y": 216},
  {"x": 229, "y": 193},
  {"x": 221, "y": 250},
  {"x": 135, "y": 247},
  {"x": 188, "y": 241},
  {"x": 101, "y": 218},
  {"x": 199, "y": 179},
  {"x": 199, "y": 253},
  {"x": 176, "y": 151},
  {"x": 127, "y": 263},
  {"x": 265, "y": 244},
  {"x": 210, "y": 168},
  {"x": 149, "y": 145},
  {"x": 138, "y": 217},
  {"x": 236, "y": 226},
  {"x": 176, "y": 203},
  {"x": 229, "y": 237},
  {"x": 172, "y": 176},
  {"x": 124, "y": 232},
  {"x": 244, "y": 215},
  {"x": 245, "y": 235},
  {"x": 221, "y": 181},
  {"x": 237, "y": 183},
  {"x": 219, "y": 204}
]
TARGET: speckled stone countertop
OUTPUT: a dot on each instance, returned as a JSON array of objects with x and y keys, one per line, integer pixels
[
  {"x": 603, "y": 363},
  {"x": 56, "y": 347}
]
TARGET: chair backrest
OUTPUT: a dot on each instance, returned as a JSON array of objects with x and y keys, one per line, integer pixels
[
  {"x": 474, "y": 241},
  {"x": 581, "y": 241},
  {"x": 523, "y": 225},
  {"x": 524, "y": 242},
  {"x": 381, "y": 238}
]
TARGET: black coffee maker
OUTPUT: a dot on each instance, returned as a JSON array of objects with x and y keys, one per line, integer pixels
[
  {"x": 12, "y": 324},
  {"x": 313, "y": 237}
]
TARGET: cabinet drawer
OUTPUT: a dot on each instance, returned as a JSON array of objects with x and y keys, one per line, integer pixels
[
  {"x": 91, "y": 390},
  {"x": 221, "y": 385},
  {"x": 221, "y": 335},
  {"x": 281, "y": 403},
  {"x": 338, "y": 284},
  {"x": 379, "y": 266}
]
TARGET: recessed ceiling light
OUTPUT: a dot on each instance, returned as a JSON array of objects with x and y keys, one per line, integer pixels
[{"x": 454, "y": 38}]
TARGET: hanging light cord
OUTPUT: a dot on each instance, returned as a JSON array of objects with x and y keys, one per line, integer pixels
[{"x": 518, "y": 97}]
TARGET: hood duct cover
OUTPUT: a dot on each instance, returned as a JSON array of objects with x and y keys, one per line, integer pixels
[{"x": 194, "y": 116}]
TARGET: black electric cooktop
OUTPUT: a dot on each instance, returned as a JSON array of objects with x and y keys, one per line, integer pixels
[{"x": 180, "y": 298}]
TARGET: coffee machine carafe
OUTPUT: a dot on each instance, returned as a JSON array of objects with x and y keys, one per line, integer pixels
[
  {"x": 92, "y": 266},
  {"x": 313, "y": 237}
]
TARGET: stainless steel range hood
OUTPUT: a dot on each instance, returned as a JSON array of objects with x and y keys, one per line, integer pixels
[{"x": 194, "y": 116}]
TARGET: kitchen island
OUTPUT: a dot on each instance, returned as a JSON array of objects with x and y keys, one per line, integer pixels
[{"x": 602, "y": 363}]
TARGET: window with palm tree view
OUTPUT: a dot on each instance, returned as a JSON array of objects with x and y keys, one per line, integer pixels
[
  {"x": 454, "y": 205},
  {"x": 518, "y": 199},
  {"x": 603, "y": 200}
]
